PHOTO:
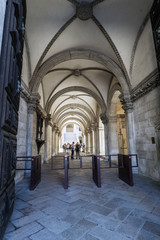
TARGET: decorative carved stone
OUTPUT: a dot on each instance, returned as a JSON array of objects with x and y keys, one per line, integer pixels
[
  {"x": 148, "y": 84},
  {"x": 127, "y": 104},
  {"x": 84, "y": 10},
  {"x": 33, "y": 102},
  {"x": 104, "y": 118},
  {"x": 77, "y": 72}
]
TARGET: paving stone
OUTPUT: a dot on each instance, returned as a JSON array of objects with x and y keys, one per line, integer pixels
[
  {"x": 120, "y": 213},
  {"x": 10, "y": 228},
  {"x": 54, "y": 225},
  {"x": 152, "y": 228},
  {"x": 45, "y": 235},
  {"x": 104, "y": 234},
  {"x": 89, "y": 237},
  {"x": 16, "y": 214},
  {"x": 99, "y": 209},
  {"x": 145, "y": 235},
  {"x": 27, "y": 219},
  {"x": 78, "y": 230},
  {"x": 19, "y": 204},
  {"x": 131, "y": 226},
  {"x": 145, "y": 215},
  {"x": 23, "y": 232},
  {"x": 104, "y": 221}
]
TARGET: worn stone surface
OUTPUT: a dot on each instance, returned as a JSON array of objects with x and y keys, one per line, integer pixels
[{"x": 83, "y": 211}]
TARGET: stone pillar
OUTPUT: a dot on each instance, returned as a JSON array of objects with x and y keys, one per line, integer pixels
[
  {"x": 94, "y": 145},
  {"x": 91, "y": 140},
  {"x": 86, "y": 142},
  {"x": 101, "y": 141},
  {"x": 31, "y": 147},
  {"x": 47, "y": 138},
  {"x": 105, "y": 122},
  {"x": 31, "y": 125},
  {"x": 113, "y": 135},
  {"x": 130, "y": 126}
]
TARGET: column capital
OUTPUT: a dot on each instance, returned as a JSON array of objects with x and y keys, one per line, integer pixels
[
  {"x": 33, "y": 102},
  {"x": 127, "y": 103},
  {"x": 104, "y": 117}
]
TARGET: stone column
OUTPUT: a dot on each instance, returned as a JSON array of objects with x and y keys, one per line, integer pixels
[
  {"x": 46, "y": 145},
  {"x": 31, "y": 125},
  {"x": 105, "y": 122},
  {"x": 93, "y": 130},
  {"x": 130, "y": 126},
  {"x": 31, "y": 147},
  {"x": 101, "y": 141},
  {"x": 113, "y": 135},
  {"x": 91, "y": 140},
  {"x": 86, "y": 142}
]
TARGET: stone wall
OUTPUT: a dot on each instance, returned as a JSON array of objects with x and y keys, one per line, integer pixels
[
  {"x": 147, "y": 115},
  {"x": 21, "y": 137}
]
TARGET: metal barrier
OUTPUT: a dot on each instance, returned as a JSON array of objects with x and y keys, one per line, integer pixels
[
  {"x": 35, "y": 169},
  {"x": 124, "y": 164},
  {"x": 96, "y": 170},
  {"x": 66, "y": 167},
  {"x": 125, "y": 171}
]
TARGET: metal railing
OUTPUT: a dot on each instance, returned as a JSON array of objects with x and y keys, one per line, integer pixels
[{"x": 34, "y": 167}]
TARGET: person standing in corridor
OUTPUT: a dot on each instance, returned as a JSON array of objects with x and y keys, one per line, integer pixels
[
  {"x": 72, "y": 150},
  {"x": 78, "y": 146}
]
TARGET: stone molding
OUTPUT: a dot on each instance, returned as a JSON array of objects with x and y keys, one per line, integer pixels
[{"x": 148, "y": 84}]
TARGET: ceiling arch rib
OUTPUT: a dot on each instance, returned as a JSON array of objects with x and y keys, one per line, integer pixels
[
  {"x": 90, "y": 113},
  {"x": 68, "y": 101},
  {"x": 100, "y": 101},
  {"x": 70, "y": 114},
  {"x": 64, "y": 56},
  {"x": 71, "y": 108},
  {"x": 73, "y": 119}
]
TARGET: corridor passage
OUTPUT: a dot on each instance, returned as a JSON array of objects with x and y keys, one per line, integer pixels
[{"x": 115, "y": 211}]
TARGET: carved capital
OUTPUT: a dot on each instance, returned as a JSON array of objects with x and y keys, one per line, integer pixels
[
  {"x": 127, "y": 104},
  {"x": 104, "y": 118},
  {"x": 33, "y": 102}
]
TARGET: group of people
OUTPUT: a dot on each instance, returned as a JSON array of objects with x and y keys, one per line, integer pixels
[{"x": 74, "y": 148}]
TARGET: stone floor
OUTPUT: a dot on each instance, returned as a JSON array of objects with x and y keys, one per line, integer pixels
[{"x": 115, "y": 211}]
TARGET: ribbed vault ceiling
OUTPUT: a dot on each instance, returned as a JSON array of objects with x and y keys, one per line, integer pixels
[{"x": 73, "y": 89}]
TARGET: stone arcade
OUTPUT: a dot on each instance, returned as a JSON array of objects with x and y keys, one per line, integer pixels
[{"x": 93, "y": 63}]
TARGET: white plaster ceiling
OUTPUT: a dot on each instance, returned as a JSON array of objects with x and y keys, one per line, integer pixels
[{"x": 53, "y": 26}]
